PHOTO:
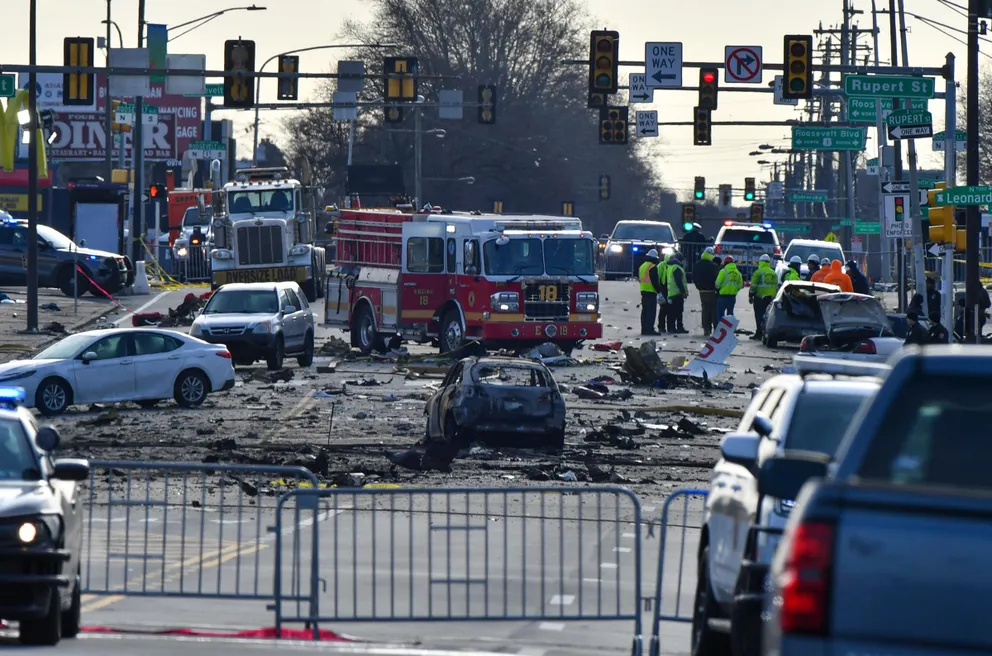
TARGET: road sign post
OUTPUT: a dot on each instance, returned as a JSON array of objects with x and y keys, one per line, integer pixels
[
  {"x": 647, "y": 123},
  {"x": 638, "y": 91},
  {"x": 663, "y": 65},
  {"x": 742, "y": 64},
  {"x": 821, "y": 138}
]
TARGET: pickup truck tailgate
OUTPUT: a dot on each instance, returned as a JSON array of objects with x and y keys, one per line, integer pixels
[{"x": 912, "y": 566}]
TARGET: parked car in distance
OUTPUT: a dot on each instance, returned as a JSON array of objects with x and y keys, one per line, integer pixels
[
  {"x": 803, "y": 248},
  {"x": 41, "y": 527},
  {"x": 114, "y": 365},
  {"x": 500, "y": 401},
  {"x": 56, "y": 255},
  {"x": 856, "y": 328},
  {"x": 259, "y": 320},
  {"x": 795, "y": 312},
  {"x": 630, "y": 242}
]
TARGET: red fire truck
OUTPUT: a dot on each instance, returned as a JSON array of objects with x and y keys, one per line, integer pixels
[{"x": 456, "y": 277}]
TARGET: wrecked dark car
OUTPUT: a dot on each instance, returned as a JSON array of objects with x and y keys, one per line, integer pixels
[
  {"x": 498, "y": 401},
  {"x": 857, "y": 328},
  {"x": 795, "y": 312}
]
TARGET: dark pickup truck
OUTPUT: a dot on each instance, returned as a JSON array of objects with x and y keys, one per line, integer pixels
[{"x": 887, "y": 550}]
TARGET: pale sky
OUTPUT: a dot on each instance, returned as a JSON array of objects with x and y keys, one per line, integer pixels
[{"x": 704, "y": 27}]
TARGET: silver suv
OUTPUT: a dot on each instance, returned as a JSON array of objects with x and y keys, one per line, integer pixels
[{"x": 259, "y": 320}]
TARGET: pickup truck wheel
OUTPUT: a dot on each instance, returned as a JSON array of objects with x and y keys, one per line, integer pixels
[
  {"x": 45, "y": 630},
  {"x": 71, "y": 618},
  {"x": 705, "y": 641},
  {"x": 452, "y": 336}
]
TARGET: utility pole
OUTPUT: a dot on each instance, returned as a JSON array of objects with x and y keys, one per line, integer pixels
[
  {"x": 109, "y": 109},
  {"x": 973, "y": 225},
  {"x": 847, "y": 55},
  {"x": 138, "y": 157},
  {"x": 897, "y": 163},
  {"x": 919, "y": 272},
  {"x": 950, "y": 179},
  {"x": 887, "y": 244},
  {"x": 32, "y": 129}
]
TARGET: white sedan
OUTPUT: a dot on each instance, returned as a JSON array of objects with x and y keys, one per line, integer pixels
[{"x": 107, "y": 366}]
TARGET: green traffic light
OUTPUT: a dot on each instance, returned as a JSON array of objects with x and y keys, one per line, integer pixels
[
  {"x": 687, "y": 226},
  {"x": 749, "y": 196},
  {"x": 699, "y": 194}
]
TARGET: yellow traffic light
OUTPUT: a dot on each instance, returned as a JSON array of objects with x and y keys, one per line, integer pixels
[
  {"x": 239, "y": 88},
  {"x": 604, "y": 187},
  {"x": 487, "y": 104},
  {"x": 401, "y": 78},
  {"x": 567, "y": 208},
  {"x": 798, "y": 81},
  {"x": 702, "y": 134},
  {"x": 941, "y": 217},
  {"x": 78, "y": 88},
  {"x": 497, "y": 207},
  {"x": 613, "y": 125},
  {"x": 757, "y": 212},
  {"x": 748, "y": 188},
  {"x": 604, "y": 54},
  {"x": 289, "y": 87}
]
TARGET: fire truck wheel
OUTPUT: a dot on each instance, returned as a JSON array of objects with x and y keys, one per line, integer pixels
[
  {"x": 452, "y": 336},
  {"x": 364, "y": 335}
]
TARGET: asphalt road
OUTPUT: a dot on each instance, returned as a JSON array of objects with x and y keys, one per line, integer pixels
[{"x": 393, "y": 554}]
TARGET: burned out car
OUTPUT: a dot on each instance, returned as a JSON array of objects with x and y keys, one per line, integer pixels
[
  {"x": 499, "y": 401},
  {"x": 795, "y": 312},
  {"x": 857, "y": 328}
]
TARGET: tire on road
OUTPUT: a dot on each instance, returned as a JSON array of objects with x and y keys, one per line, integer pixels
[
  {"x": 363, "y": 332},
  {"x": 451, "y": 337},
  {"x": 72, "y": 618},
  {"x": 275, "y": 358},
  {"x": 706, "y": 641},
  {"x": 47, "y": 630},
  {"x": 306, "y": 359},
  {"x": 53, "y": 396},
  {"x": 67, "y": 282},
  {"x": 191, "y": 388}
]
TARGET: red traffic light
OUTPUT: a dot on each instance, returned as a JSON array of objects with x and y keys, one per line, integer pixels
[{"x": 709, "y": 78}]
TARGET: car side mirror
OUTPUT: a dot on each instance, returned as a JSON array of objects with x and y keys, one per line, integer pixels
[
  {"x": 290, "y": 309},
  {"x": 781, "y": 477},
  {"x": 48, "y": 438},
  {"x": 88, "y": 357},
  {"x": 740, "y": 448},
  {"x": 762, "y": 425},
  {"x": 71, "y": 469}
]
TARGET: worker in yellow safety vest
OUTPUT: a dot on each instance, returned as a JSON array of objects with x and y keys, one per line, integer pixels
[
  {"x": 650, "y": 285},
  {"x": 663, "y": 274},
  {"x": 676, "y": 291},
  {"x": 764, "y": 286},
  {"x": 728, "y": 283}
]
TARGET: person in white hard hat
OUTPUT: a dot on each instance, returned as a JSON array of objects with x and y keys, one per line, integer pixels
[
  {"x": 795, "y": 265},
  {"x": 813, "y": 264},
  {"x": 650, "y": 286}
]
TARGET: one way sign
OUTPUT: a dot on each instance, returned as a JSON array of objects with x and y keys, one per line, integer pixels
[
  {"x": 638, "y": 91},
  {"x": 647, "y": 123}
]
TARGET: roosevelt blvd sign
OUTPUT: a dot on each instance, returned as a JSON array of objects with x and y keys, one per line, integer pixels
[
  {"x": 862, "y": 110},
  {"x": 964, "y": 196},
  {"x": 817, "y": 138},
  {"x": 888, "y": 86}
]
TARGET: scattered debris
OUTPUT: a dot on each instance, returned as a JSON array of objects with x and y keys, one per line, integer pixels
[
  {"x": 334, "y": 347},
  {"x": 181, "y": 315}
]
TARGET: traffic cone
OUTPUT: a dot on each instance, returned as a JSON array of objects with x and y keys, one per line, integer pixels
[{"x": 141, "y": 286}]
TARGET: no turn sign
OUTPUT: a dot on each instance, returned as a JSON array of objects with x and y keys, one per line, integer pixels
[{"x": 742, "y": 64}]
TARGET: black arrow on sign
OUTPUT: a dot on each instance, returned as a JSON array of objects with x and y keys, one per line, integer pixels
[{"x": 641, "y": 96}]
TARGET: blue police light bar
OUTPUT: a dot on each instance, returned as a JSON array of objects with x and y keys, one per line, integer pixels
[
  {"x": 12, "y": 396},
  {"x": 636, "y": 249},
  {"x": 767, "y": 224}
]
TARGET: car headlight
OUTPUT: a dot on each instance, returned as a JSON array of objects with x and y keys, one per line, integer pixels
[
  {"x": 221, "y": 254},
  {"x": 616, "y": 248},
  {"x": 195, "y": 330},
  {"x": 586, "y": 302},
  {"x": 181, "y": 249},
  {"x": 505, "y": 302},
  {"x": 39, "y": 530},
  {"x": 299, "y": 249},
  {"x": 262, "y": 328}
]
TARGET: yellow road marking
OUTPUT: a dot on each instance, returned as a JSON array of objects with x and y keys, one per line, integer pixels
[{"x": 298, "y": 409}]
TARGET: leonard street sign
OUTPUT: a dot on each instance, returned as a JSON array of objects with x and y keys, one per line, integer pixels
[
  {"x": 819, "y": 138},
  {"x": 888, "y": 86},
  {"x": 647, "y": 123},
  {"x": 663, "y": 65},
  {"x": 638, "y": 92},
  {"x": 964, "y": 196}
]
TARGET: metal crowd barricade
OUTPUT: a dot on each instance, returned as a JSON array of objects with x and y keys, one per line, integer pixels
[
  {"x": 691, "y": 252},
  {"x": 678, "y": 518},
  {"x": 195, "y": 267},
  {"x": 160, "y": 529},
  {"x": 412, "y": 555}
]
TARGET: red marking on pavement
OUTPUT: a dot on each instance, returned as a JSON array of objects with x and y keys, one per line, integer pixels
[{"x": 266, "y": 633}]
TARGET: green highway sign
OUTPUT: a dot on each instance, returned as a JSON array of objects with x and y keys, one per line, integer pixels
[
  {"x": 868, "y": 228},
  {"x": 964, "y": 196},
  {"x": 818, "y": 138},
  {"x": 207, "y": 149},
  {"x": 926, "y": 183},
  {"x": 808, "y": 197},
  {"x": 846, "y": 222},
  {"x": 835, "y": 227},
  {"x": 213, "y": 90},
  {"x": 909, "y": 117},
  {"x": 795, "y": 228},
  {"x": 888, "y": 86},
  {"x": 8, "y": 86},
  {"x": 862, "y": 110},
  {"x": 960, "y": 140}
]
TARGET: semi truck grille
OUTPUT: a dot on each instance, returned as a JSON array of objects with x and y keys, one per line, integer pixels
[
  {"x": 546, "y": 301},
  {"x": 260, "y": 245}
]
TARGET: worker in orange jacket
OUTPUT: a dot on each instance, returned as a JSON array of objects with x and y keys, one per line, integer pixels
[
  {"x": 821, "y": 273},
  {"x": 839, "y": 278}
]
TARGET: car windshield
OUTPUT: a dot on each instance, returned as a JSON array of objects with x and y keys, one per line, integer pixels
[
  {"x": 645, "y": 232},
  {"x": 272, "y": 200},
  {"x": 193, "y": 218},
  {"x": 243, "y": 301},
  {"x": 55, "y": 238},
  {"x": 740, "y": 236},
  {"x": 17, "y": 460},
  {"x": 569, "y": 257},
  {"x": 820, "y": 419},
  {"x": 821, "y": 250},
  {"x": 531, "y": 257},
  {"x": 66, "y": 348}
]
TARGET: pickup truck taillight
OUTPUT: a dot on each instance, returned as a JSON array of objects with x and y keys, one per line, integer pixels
[
  {"x": 778, "y": 250},
  {"x": 806, "y": 580},
  {"x": 717, "y": 248},
  {"x": 804, "y": 345},
  {"x": 866, "y": 347}
]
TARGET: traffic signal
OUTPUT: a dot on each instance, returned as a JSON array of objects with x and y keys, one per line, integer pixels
[
  {"x": 497, "y": 207},
  {"x": 943, "y": 229},
  {"x": 748, "y": 188},
  {"x": 596, "y": 100},
  {"x": 117, "y": 126},
  {"x": 798, "y": 82},
  {"x": 726, "y": 195},
  {"x": 393, "y": 114},
  {"x": 289, "y": 87},
  {"x": 708, "y": 87},
  {"x": 78, "y": 88},
  {"x": 757, "y": 212},
  {"x": 700, "y": 191},
  {"x": 400, "y": 83},
  {"x": 702, "y": 130},
  {"x": 604, "y": 187},
  {"x": 157, "y": 192},
  {"x": 604, "y": 59},
  {"x": 688, "y": 216},
  {"x": 239, "y": 88},
  {"x": 613, "y": 127},
  {"x": 567, "y": 208},
  {"x": 487, "y": 104},
  {"x": 900, "y": 207}
]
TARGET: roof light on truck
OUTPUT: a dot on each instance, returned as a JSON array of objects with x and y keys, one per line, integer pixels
[
  {"x": 767, "y": 224},
  {"x": 728, "y": 223}
]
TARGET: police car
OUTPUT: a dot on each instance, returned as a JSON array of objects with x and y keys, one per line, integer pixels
[{"x": 41, "y": 527}]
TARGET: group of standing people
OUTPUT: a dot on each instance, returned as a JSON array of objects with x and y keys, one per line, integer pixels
[{"x": 664, "y": 286}]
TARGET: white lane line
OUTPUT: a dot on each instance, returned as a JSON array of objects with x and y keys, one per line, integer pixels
[
  {"x": 621, "y": 549},
  {"x": 647, "y": 508},
  {"x": 607, "y": 565},
  {"x": 532, "y": 651},
  {"x": 629, "y": 536},
  {"x": 551, "y": 626},
  {"x": 150, "y": 303},
  {"x": 592, "y": 580},
  {"x": 562, "y": 600}
]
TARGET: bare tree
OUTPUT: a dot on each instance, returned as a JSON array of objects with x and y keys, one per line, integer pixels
[
  {"x": 984, "y": 129},
  {"x": 543, "y": 149}
]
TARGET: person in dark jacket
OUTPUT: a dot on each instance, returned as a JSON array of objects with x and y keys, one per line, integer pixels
[
  {"x": 917, "y": 334},
  {"x": 858, "y": 281},
  {"x": 934, "y": 300},
  {"x": 813, "y": 265},
  {"x": 916, "y": 305},
  {"x": 704, "y": 274}
]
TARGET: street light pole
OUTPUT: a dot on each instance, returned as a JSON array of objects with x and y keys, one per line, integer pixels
[
  {"x": 108, "y": 154},
  {"x": 973, "y": 225},
  {"x": 31, "y": 128},
  {"x": 138, "y": 156}
]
